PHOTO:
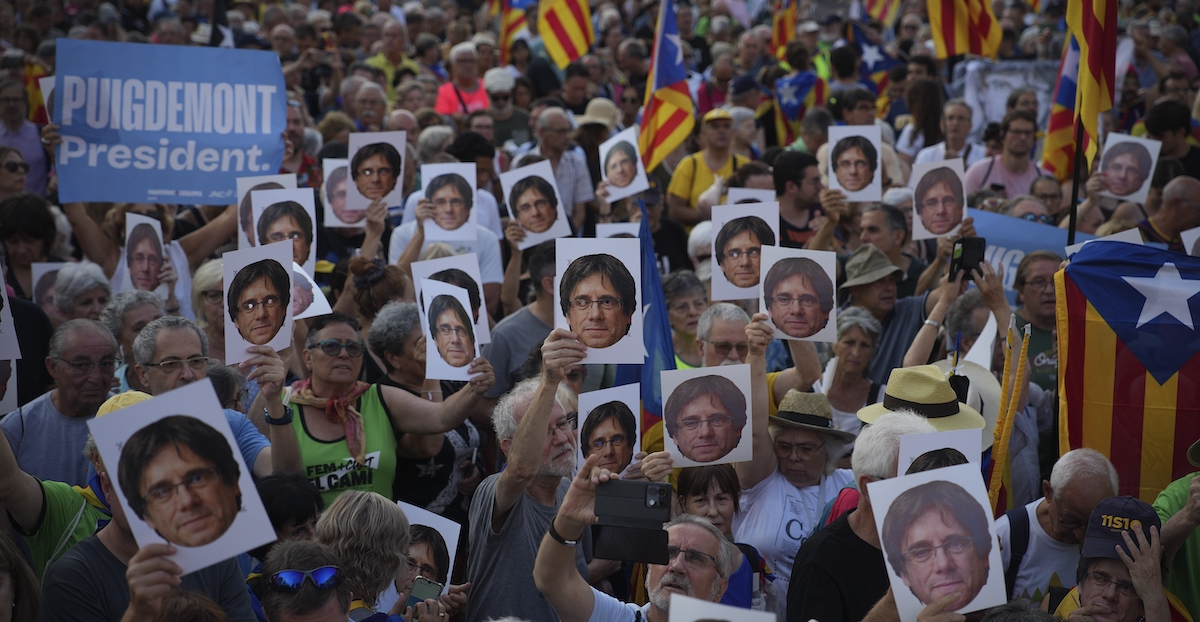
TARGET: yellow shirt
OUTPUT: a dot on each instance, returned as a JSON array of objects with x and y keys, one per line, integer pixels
[
  {"x": 389, "y": 71},
  {"x": 692, "y": 176}
]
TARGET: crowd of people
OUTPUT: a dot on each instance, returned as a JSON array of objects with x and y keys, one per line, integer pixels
[{"x": 343, "y": 423}]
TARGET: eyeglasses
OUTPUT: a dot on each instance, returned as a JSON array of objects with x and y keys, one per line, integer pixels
[
  {"x": 723, "y": 347},
  {"x": 538, "y": 204},
  {"x": 375, "y": 172},
  {"x": 566, "y": 426},
  {"x": 174, "y": 366},
  {"x": 946, "y": 203},
  {"x": 737, "y": 253},
  {"x": 323, "y": 578},
  {"x": 445, "y": 330},
  {"x": 698, "y": 560},
  {"x": 1101, "y": 581},
  {"x": 250, "y": 306},
  {"x": 607, "y": 303},
  {"x": 617, "y": 440},
  {"x": 562, "y": 131},
  {"x": 496, "y": 97},
  {"x": 196, "y": 479},
  {"x": 240, "y": 399},
  {"x": 630, "y": 100},
  {"x": 1022, "y": 133},
  {"x": 281, "y": 236},
  {"x": 150, "y": 260},
  {"x": 12, "y": 100},
  {"x": 213, "y": 296},
  {"x": 13, "y": 167},
  {"x": 1040, "y": 284},
  {"x": 952, "y": 546},
  {"x": 803, "y": 452},
  {"x": 427, "y": 571},
  {"x": 1045, "y": 219},
  {"x": 454, "y": 202},
  {"x": 683, "y": 307},
  {"x": 844, "y": 164},
  {"x": 333, "y": 347},
  {"x": 715, "y": 422},
  {"x": 82, "y": 368},
  {"x": 806, "y": 301},
  {"x": 1049, "y": 199}
]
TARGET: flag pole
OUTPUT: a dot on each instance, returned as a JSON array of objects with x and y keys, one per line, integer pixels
[{"x": 1075, "y": 176}]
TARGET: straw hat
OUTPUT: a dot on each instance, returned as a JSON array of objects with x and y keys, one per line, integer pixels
[
  {"x": 809, "y": 411},
  {"x": 983, "y": 395},
  {"x": 600, "y": 111},
  {"x": 924, "y": 390}
]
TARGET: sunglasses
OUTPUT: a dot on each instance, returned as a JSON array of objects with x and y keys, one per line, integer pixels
[
  {"x": 333, "y": 347},
  {"x": 13, "y": 167},
  {"x": 323, "y": 578},
  {"x": 1045, "y": 219}
]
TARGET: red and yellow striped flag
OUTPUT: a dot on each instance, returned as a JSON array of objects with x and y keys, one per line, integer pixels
[
  {"x": 783, "y": 27},
  {"x": 963, "y": 27},
  {"x": 566, "y": 29},
  {"x": 1094, "y": 25},
  {"x": 667, "y": 117},
  {"x": 1129, "y": 361},
  {"x": 883, "y": 11},
  {"x": 512, "y": 22}
]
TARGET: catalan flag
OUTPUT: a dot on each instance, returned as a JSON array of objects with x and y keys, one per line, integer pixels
[
  {"x": 795, "y": 95},
  {"x": 882, "y": 11},
  {"x": 566, "y": 29},
  {"x": 512, "y": 22},
  {"x": 876, "y": 61},
  {"x": 1129, "y": 360},
  {"x": 963, "y": 27},
  {"x": 1058, "y": 151},
  {"x": 667, "y": 118},
  {"x": 1094, "y": 25},
  {"x": 783, "y": 27}
]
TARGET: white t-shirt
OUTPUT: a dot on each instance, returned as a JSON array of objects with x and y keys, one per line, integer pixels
[
  {"x": 183, "y": 269},
  {"x": 486, "y": 247},
  {"x": 1047, "y": 562},
  {"x": 936, "y": 153},
  {"x": 777, "y": 518},
  {"x": 911, "y": 141},
  {"x": 487, "y": 213},
  {"x": 608, "y": 609}
]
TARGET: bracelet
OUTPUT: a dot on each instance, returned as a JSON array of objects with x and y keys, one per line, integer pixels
[
  {"x": 284, "y": 420},
  {"x": 558, "y": 538},
  {"x": 933, "y": 323}
]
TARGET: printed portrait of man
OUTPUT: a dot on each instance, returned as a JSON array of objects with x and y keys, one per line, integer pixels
[
  {"x": 180, "y": 477},
  {"x": 598, "y": 297},
  {"x": 939, "y": 200},
  {"x": 535, "y": 204},
  {"x": 144, "y": 257},
  {"x": 705, "y": 417},
  {"x": 258, "y": 299},
  {"x": 611, "y": 432},
  {"x": 287, "y": 220},
  {"x": 936, "y": 539},
  {"x": 335, "y": 197},
  {"x": 452, "y": 200},
  {"x": 459, "y": 278},
  {"x": 854, "y": 162},
  {"x": 620, "y": 166},
  {"x": 375, "y": 170},
  {"x": 452, "y": 329},
  {"x": 739, "y": 249},
  {"x": 799, "y": 296},
  {"x": 302, "y": 293},
  {"x": 1126, "y": 167}
]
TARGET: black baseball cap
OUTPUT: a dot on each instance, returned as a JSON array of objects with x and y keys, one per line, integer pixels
[{"x": 1112, "y": 517}]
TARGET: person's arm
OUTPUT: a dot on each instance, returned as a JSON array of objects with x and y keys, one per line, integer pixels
[
  {"x": 559, "y": 351},
  {"x": 1144, "y": 561},
  {"x": 1096, "y": 184},
  {"x": 804, "y": 372},
  {"x": 1181, "y": 525},
  {"x": 991, "y": 287},
  {"x": 269, "y": 370},
  {"x": 834, "y": 202},
  {"x": 491, "y": 299},
  {"x": 578, "y": 216},
  {"x": 151, "y": 575},
  {"x": 682, "y": 213},
  {"x": 376, "y": 224},
  {"x": 510, "y": 289},
  {"x": 938, "y": 266},
  {"x": 885, "y": 610},
  {"x": 96, "y": 246},
  {"x": 921, "y": 348},
  {"x": 412, "y": 252},
  {"x": 203, "y": 242},
  {"x": 759, "y": 334},
  {"x": 20, "y": 493},
  {"x": 554, "y": 571},
  {"x": 423, "y": 446},
  {"x": 413, "y": 415}
]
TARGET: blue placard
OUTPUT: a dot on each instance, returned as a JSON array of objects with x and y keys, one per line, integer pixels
[
  {"x": 1010, "y": 239},
  {"x": 164, "y": 123}
]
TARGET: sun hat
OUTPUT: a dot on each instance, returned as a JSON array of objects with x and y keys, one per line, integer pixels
[
  {"x": 983, "y": 394},
  {"x": 866, "y": 265},
  {"x": 809, "y": 411},
  {"x": 600, "y": 111},
  {"x": 924, "y": 390}
]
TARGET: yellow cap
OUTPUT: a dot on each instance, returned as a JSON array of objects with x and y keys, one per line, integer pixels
[
  {"x": 715, "y": 114},
  {"x": 122, "y": 400}
]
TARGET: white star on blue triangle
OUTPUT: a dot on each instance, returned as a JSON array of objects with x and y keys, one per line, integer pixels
[{"x": 1166, "y": 293}]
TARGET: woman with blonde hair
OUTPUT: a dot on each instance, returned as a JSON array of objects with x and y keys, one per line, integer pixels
[{"x": 208, "y": 301}]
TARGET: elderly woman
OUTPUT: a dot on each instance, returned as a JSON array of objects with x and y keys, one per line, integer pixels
[
  {"x": 369, "y": 534},
  {"x": 846, "y": 381},
  {"x": 81, "y": 291},
  {"x": 28, "y": 232},
  {"x": 464, "y": 92},
  {"x": 433, "y": 141},
  {"x": 686, "y": 298},
  {"x": 339, "y": 419},
  {"x": 125, "y": 316},
  {"x": 793, "y": 473},
  {"x": 699, "y": 249},
  {"x": 13, "y": 169},
  {"x": 713, "y": 492},
  {"x": 745, "y": 133},
  {"x": 396, "y": 339},
  {"x": 208, "y": 301}
]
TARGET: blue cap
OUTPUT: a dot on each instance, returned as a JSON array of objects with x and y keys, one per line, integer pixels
[{"x": 744, "y": 84}]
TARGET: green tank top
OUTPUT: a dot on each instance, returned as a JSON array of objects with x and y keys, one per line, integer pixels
[{"x": 329, "y": 465}]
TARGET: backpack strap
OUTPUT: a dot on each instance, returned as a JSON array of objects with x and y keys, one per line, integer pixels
[
  {"x": 1056, "y": 594},
  {"x": 1018, "y": 541}
]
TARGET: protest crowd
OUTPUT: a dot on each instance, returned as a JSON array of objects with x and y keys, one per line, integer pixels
[{"x": 861, "y": 142}]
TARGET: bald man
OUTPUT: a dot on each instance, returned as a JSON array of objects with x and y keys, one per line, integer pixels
[
  {"x": 1180, "y": 211},
  {"x": 401, "y": 120}
]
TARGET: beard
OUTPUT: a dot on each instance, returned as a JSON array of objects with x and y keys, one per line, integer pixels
[
  {"x": 560, "y": 467},
  {"x": 663, "y": 600}
]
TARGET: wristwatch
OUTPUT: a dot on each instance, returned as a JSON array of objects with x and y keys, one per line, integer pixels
[
  {"x": 558, "y": 538},
  {"x": 286, "y": 419}
]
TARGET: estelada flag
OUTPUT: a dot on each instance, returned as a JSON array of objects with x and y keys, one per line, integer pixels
[
  {"x": 1129, "y": 370},
  {"x": 566, "y": 29}
]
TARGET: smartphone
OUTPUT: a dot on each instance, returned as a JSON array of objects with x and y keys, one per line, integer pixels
[
  {"x": 636, "y": 504},
  {"x": 423, "y": 589},
  {"x": 966, "y": 256}
]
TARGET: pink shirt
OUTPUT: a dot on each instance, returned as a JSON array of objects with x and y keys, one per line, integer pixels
[
  {"x": 979, "y": 176},
  {"x": 452, "y": 100}
]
